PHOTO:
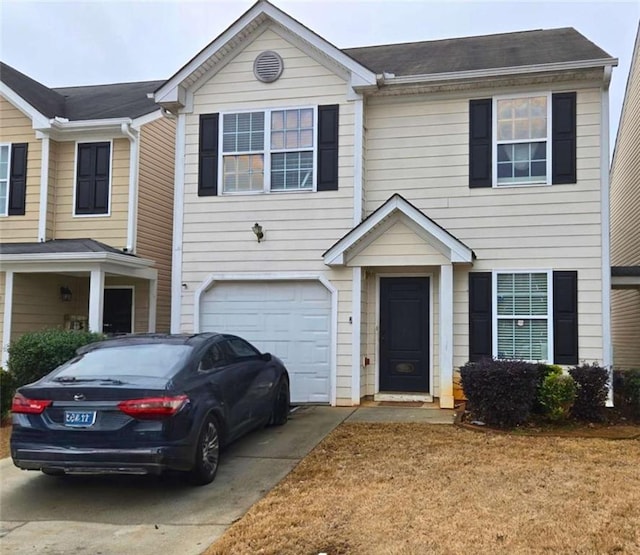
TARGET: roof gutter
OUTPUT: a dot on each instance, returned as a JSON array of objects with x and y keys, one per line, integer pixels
[
  {"x": 38, "y": 258},
  {"x": 391, "y": 79}
]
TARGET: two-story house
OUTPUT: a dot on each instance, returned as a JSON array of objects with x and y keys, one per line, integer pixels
[
  {"x": 379, "y": 216},
  {"x": 86, "y": 207},
  {"x": 625, "y": 225}
]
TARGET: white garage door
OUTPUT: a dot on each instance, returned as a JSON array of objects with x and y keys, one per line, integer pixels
[{"x": 290, "y": 319}]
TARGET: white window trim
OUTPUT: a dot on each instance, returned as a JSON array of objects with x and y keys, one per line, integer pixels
[
  {"x": 75, "y": 178},
  {"x": 4, "y": 211},
  {"x": 494, "y": 141},
  {"x": 267, "y": 152},
  {"x": 133, "y": 302},
  {"x": 549, "y": 317}
]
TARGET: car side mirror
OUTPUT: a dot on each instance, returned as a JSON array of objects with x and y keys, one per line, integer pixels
[{"x": 266, "y": 357}]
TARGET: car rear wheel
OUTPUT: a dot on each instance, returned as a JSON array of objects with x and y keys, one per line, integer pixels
[
  {"x": 207, "y": 453},
  {"x": 280, "y": 411}
]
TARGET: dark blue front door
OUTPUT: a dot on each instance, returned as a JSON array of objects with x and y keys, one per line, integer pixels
[{"x": 404, "y": 334}]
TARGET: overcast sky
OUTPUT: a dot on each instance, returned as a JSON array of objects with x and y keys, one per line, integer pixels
[{"x": 92, "y": 42}]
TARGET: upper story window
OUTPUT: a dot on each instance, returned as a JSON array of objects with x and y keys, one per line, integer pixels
[
  {"x": 268, "y": 151},
  {"x": 13, "y": 179},
  {"x": 522, "y": 137},
  {"x": 272, "y": 150},
  {"x": 93, "y": 179},
  {"x": 4, "y": 179},
  {"x": 522, "y": 140}
]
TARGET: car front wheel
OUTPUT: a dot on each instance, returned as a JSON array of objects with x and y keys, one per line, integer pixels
[
  {"x": 207, "y": 453},
  {"x": 280, "y": 410}
]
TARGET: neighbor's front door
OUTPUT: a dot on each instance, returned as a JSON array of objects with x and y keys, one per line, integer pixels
[
  {"x": 404, "y": 334},
  {"x": 117, "y": 311}
]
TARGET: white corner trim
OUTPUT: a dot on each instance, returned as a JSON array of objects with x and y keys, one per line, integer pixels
[
  {"x": 356, "y": 321},
  {"x": 8, "y": 311},
  {"x": 445, "y": 351},
  {"x": 38, "y": 120},
  {"x": 358, "y": 155},
  {"x": 279, "y": 276},
  {"x": 178, "y": 221},
  {"x": 132, "y": 204},
  {"x": 44, "y": 190},
  {"x": 458, "y": 251},
  {"x": 607, "y": 350}
]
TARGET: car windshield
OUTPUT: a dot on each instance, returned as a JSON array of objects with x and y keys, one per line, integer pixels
[{"x": 158, "y": 360}]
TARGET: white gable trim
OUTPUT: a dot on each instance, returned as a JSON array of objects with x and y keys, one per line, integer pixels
[
  {"x": 371, "y": 228},
  {"x": 39, "y": 121},
  {"x": 173, "y": 91}
]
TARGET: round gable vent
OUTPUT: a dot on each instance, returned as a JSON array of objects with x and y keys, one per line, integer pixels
[{"x": 268, "y": 66}]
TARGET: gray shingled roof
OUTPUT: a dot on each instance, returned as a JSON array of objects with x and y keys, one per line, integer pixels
[
  {"x": 122, "y": 100},
  {"x": 543, "y": 46},
  {"x": 58, "y": 246}
]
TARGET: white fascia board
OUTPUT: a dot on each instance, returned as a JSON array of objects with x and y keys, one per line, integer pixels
[
  {"x": 73, "y": 257},
  {"x": 169, "y": 91},
  {"x": 499, "y": 71},
  {"x": 39, "y": 121},
  {"x": 138, "y": 122},
  {"x": 114, "y": 124},
  {"x": 458, "y": 251}
]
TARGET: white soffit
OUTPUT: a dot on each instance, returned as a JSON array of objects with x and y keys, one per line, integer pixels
[{"x": 395, "y": 209}]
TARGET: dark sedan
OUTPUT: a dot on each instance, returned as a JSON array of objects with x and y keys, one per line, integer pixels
[{"x": 143, "y": 404}]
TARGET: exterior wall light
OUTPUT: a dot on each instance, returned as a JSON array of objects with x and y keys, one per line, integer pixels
[
  {"x": 257, "y": 229},
  {"x": 65, "y": 294}
]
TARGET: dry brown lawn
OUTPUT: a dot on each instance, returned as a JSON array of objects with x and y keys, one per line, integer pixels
[
  {"x": 415, "y": 488},
  {"x": 5, "y": 435}
]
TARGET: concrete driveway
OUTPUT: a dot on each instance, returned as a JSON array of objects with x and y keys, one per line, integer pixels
[{"x": 87, "y": 515}]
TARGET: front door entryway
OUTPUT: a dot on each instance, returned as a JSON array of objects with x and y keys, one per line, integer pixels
[
  {"x": 118, "y": 310},
  {"x": 404, "y": 334}
]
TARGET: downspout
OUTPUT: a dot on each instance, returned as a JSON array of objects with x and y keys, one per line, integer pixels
[
  {"x": 607, "y": 354},
  {"x": 44, "y": 189},
  {"x": 132, "y": 215}
]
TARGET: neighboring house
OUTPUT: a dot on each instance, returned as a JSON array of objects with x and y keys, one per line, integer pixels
[
  {"x": 86, "y": 206},
  {"x": 625, "y": 225},
  {"x": 417, "y": 205}
]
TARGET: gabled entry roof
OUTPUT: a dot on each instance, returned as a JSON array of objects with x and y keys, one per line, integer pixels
[{"x": 378, "y": 222}]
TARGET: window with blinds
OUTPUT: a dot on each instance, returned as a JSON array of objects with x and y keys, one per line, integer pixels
[{"x": 523, "y": 316}]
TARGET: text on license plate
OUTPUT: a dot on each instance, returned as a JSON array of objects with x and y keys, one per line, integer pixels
[{"x": 79, "y": 418}]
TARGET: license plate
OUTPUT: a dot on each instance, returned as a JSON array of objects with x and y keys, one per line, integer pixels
[{"x": 79, "y": 418}]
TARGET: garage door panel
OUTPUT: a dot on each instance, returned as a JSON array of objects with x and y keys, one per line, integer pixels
[{"x": 288, "y": 319}]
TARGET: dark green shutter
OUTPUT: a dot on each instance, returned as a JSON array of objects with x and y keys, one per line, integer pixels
[
  {"x": 18, "y": 179},
  {"x": 563, "y": 138},
  {"x": 328, "y": 147},
  {"x": 480, "y": 143},
  {"x": 208, "y": 155},
  {"x": 565, "y": 317},
  {"x": 480, "y": 315},
  {"x": 92, "y": 178}
]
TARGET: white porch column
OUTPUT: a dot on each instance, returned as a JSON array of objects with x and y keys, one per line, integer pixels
[
  {"x": 96, "y": 300},
  {"x": 356, "y": 310},
  {"x": 153, "y": 302},
  {"x": 8, "y": 311},
  {"x": 446, "y": 336}
]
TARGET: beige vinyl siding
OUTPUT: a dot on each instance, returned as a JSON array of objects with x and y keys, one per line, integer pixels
[
  {"x": 298, "y": 226},
  {"x": 418, "y": 147},
  {"x": 625, "y": 222},
  {"x": 111, "y": 229},
  {"x": 155, "y": 208},
  {"x": 15, "y": 127}
]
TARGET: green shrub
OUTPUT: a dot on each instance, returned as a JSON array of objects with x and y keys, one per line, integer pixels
[
  {"x": 626, "y": 390},
  {"x": 591, "y": 391},
  {"x": 500, "y": 392},
  {"x": 557, "y": 394},
  {"x": 7, "y": 389},
  {"x": 35, "y": 354},
  {"x": 544, "y": 370}
]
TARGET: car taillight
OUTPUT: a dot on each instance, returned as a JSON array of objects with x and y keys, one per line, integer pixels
[
  {"x": 153, "y": 408},
  {"x": 22, "y": 405}
]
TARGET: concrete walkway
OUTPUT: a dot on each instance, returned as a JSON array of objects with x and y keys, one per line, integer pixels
[{"x": 426, "y": 414}]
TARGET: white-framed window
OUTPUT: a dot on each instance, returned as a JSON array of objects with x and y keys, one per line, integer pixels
[
  {"x": 5, "y": 162},
  {"x": 269, "y": 150},
  {"x": 522, "y": 145},
  {"x": 523, "y": 322}
]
